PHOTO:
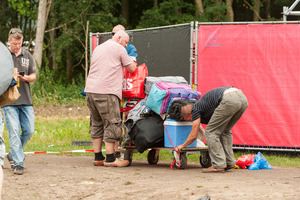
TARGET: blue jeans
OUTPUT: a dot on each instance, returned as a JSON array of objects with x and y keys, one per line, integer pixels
[
  {"x": 17, "y": 117},
  {"x": 2, "y": 145}
]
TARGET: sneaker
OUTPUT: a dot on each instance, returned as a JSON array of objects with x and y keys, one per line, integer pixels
[
  {"x": 19, "y": 170},
  {"x": 10, "y": 160},
  {"x": 117, "y": 154},
  {"x": 99, "y": 162},
  {"x": 213, "y": 170},
  {"x": 117, "y": 163}
]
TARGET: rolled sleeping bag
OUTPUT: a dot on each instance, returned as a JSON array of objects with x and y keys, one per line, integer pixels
[
  {"x": 6, "y": 68},
  {"x": 172, "y": 79}
]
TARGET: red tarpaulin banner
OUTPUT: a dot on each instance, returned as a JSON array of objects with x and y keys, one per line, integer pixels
[
  {"x": 263, "y": 60},
  {"x": 94, "y": 42}
]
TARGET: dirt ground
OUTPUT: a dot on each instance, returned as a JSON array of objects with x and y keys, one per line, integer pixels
[{"x": 74, "y": 177}]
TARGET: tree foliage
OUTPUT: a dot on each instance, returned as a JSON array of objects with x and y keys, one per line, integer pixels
[
  {"x": 168, "y": 13},
  {"x": 64, "y": 39},
  {"x": 214, "y": 12},
  {"x": 25, "y": 8},
  {"x": 20, "y": 14},
  {"x": 70, "y": 35}
]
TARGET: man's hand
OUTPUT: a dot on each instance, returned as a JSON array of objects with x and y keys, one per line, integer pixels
[
  {"x": 132, "y": 67},
  {"x": 28, "y": 78},
  {"x": 179, "y": 148},
  {"x": 23, "y": 78}
]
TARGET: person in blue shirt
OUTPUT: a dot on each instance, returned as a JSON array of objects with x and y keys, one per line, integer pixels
[{"x": 132, "y": 52}]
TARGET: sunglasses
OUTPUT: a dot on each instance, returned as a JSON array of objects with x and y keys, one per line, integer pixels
[{"x": 15, "y": 31}]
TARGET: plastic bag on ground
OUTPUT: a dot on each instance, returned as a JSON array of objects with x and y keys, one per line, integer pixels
[
  {"x": 245, "y": 161},
  {"x": 260, "y": 162}
]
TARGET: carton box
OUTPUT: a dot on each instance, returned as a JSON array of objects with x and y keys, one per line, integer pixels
[{"x": 178, "y": 132}]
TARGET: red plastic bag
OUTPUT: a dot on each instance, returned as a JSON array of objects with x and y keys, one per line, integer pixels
[
  {"x": 245, "y": 161},
  {"x": 133, "y": 83}
]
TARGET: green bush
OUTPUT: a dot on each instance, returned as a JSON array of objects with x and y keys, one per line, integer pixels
[{"x": 48, "y": 90}]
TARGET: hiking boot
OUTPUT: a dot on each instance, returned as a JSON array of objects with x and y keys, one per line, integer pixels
[
  {"x": 19, "y": 170},
  {"x": 213, "y": 170},
  {"x": 117, "y": 154},
  {"x": 10, "y": 160},
  {"x": 117, "y": 163},
  {"x": 99, "y": 162}
]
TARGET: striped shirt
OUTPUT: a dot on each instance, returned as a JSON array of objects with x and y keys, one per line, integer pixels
[{"x": 205, "y": 107}]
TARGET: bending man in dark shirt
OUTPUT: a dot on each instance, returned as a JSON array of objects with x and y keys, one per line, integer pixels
[{"x": 220, "y": 109}]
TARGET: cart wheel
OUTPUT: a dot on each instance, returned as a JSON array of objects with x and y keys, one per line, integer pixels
[
  {"x": 205, "y": 160},
  {"x": 128, "y": 156},
  {"x": 183, "y": 162},
  {"x": 153, "y": 157}
]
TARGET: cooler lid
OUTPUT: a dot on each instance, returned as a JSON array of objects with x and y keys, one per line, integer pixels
[{"x": 173, "y": 122}]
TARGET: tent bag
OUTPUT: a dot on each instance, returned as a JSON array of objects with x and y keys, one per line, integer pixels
[{"x": 148, "y": 132}]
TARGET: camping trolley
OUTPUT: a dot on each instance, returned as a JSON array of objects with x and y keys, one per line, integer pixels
[{"x": 153, "y": 155}]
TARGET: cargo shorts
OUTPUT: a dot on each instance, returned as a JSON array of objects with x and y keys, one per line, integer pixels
[{"x": 105, "y": 117}]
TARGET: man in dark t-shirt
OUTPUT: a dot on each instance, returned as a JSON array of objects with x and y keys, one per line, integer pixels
[
  {"x": 20, "y": 114},
  {"x": 220, "y": 109}
]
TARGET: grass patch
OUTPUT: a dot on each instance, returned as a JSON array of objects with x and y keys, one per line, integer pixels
[{"x": 56, "y": 135}]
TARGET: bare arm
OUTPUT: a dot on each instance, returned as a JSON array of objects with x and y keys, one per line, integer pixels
[
  {"x": 132, "y": 67},
  {"x": 192, "y": 136},
  {"x": 28, "y": 78}
]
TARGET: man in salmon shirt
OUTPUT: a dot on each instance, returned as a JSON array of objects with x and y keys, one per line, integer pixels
[{"x": 103, "y": 94}]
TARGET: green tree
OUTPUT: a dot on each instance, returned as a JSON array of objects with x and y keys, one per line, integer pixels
[
  {"x": 70, "y": 20},
  {"x": 20, "y": 14},
  {"x": 64, "y": 39},
  {"x": 169, "y": 12},
  {"x": 43, "y": 13},
  {"x": 214, "y": 11}
]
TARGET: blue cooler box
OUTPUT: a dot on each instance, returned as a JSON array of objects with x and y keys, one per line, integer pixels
[{"x": 178, "y": 132}]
